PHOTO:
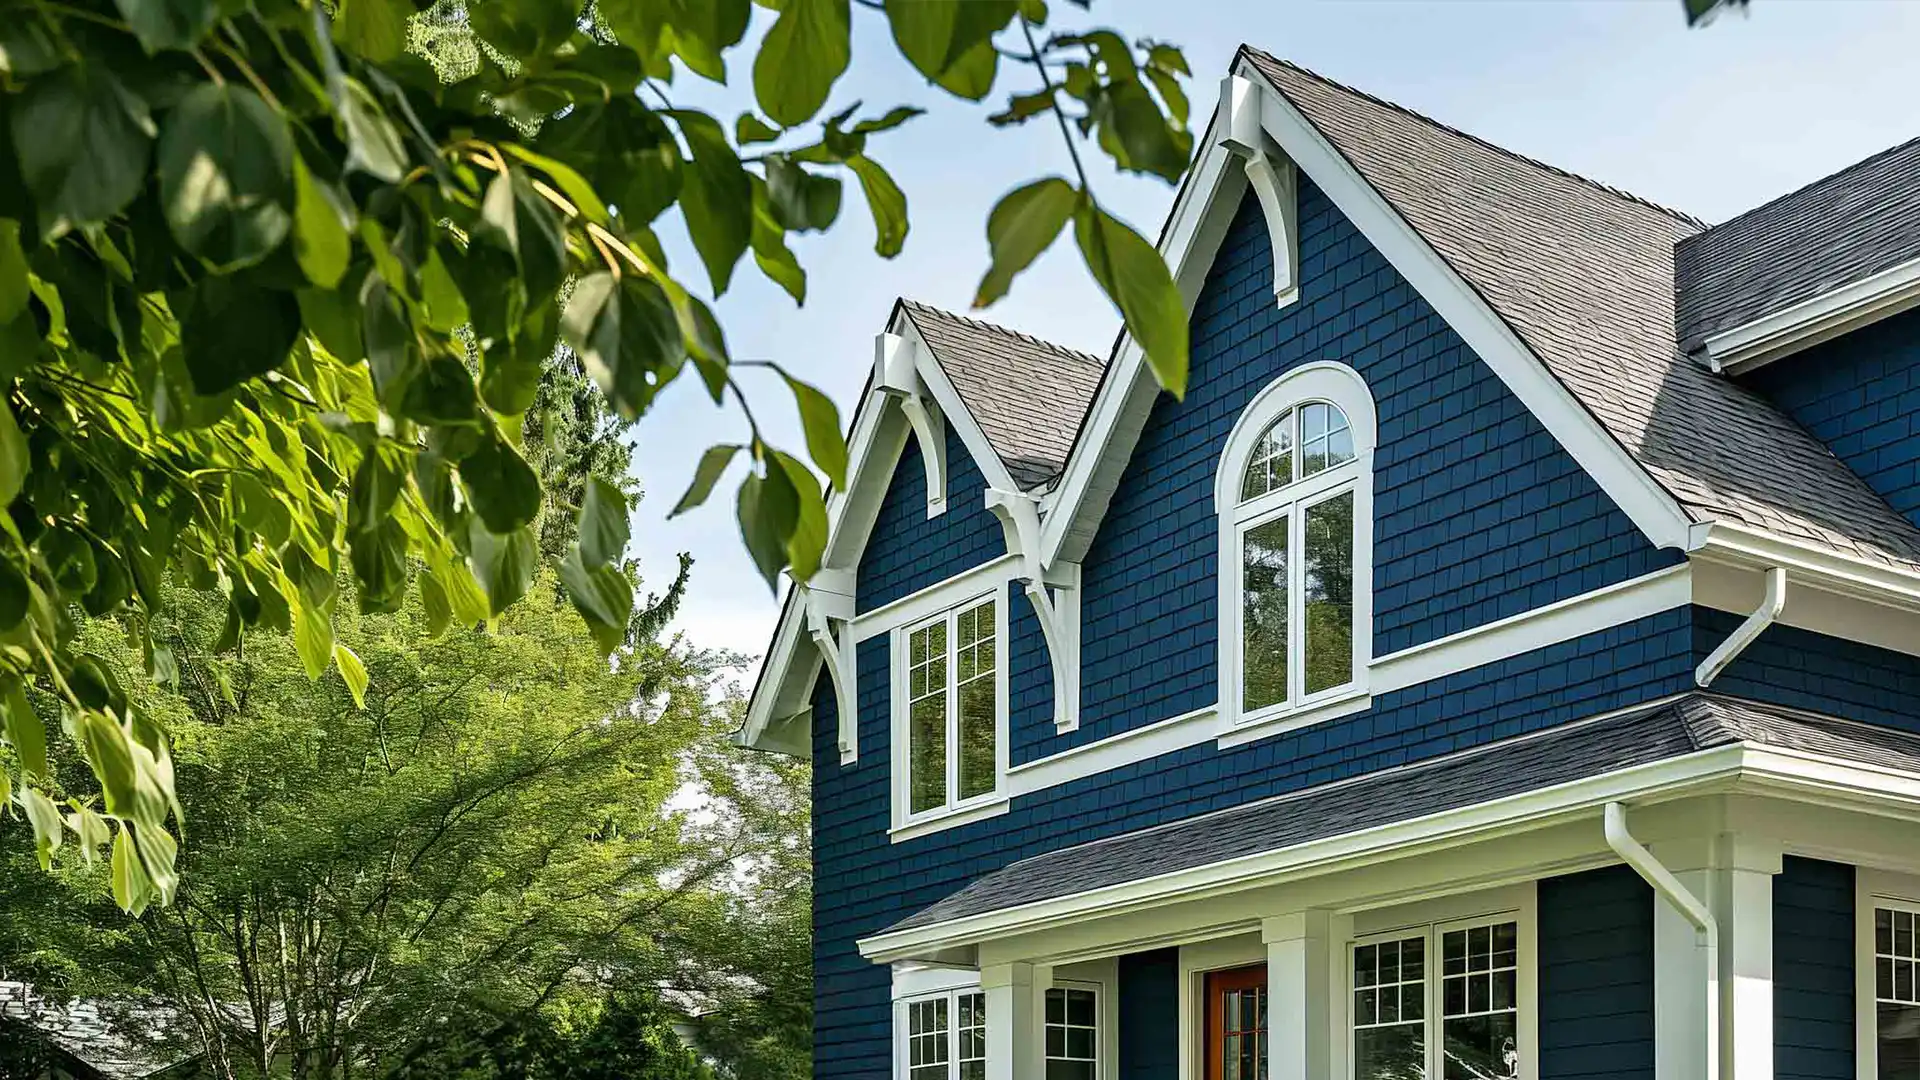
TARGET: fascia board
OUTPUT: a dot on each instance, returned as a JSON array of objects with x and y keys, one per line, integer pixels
[{"x": 1817, "y": 319}]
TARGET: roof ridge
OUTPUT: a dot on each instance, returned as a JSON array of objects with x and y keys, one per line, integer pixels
[
  {"x": 982, "y": 324},
  {"x": 1810, "y": 185},
  {"x": 1616, "y": 192}
]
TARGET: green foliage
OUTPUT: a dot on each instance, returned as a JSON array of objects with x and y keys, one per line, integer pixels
[{"x": 280, "y": 284}]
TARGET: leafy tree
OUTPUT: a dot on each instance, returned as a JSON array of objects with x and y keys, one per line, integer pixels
[{"x": 275, "y": 299}]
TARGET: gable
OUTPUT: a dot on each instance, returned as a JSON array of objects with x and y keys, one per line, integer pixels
[
  {"x": 1479, "y": 513},
  {"x": 909, "y": 550}
]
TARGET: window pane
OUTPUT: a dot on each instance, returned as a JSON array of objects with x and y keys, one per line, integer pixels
[
  {"x": 1398, "y": 1052},
  {"x": 928, "y": 752},
  {"x": 1264, "y": 614},
  {"x": 1329, "y": 593},
  {"x": 978, "y": 704},
  {"x": 1061, "y": 1069},
  {"x": 1272, "y": 463},
  {"x": 1480, "y": 1047},
  {"x": 1898, "y": 1039}
]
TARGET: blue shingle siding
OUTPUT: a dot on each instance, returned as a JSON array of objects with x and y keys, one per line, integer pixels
[
  {"x": 910, "y": 551},
  {"x": 1596, "y": 976},
  {"x": 1149, "y": 1008},
  {"x": 1802, "y": 669},
  {"x": 1813, "y": 971},
  {"x": 865, "y": 883},
  {"x": 1479, "y": 514},
  {"x": 1860, "y": 394}
]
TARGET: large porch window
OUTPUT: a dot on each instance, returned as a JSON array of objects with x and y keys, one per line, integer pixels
[
  {"x": 943, "y": 1035},
  {"x": 1459, "y": 1021}
]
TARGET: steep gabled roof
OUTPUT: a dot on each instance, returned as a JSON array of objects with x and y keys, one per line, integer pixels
[
  {"x": 1503, "y": 769},
  {"x": 1027, "y": 395},
  {"x": 1835, "y": 231},
  {"x": 1583, "y": 274}
]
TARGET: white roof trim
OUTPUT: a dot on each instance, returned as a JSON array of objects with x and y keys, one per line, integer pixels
[
  {"x": 1815, "y": 320},
  {"x": 878, "y": 436},
  {"x": 1119, "y": 411},
  {"x": 1781, "y": 772}
]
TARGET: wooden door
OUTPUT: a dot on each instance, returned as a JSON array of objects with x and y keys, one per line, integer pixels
[{"x": 1237, "y": 1024}]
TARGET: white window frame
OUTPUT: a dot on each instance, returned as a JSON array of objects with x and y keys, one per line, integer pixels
[
  {"x": 1342, "y": 387},
  {"x": 1103, "y": 1028},
  {"x": 1873, "y": 889},
  {"x": 906, "y": 823},
  {"x": 903, "y": 1040}
]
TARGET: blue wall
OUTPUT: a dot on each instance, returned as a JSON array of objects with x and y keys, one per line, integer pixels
[
  {"x": 1149, "y": 1015},
  {"x": 1805, "y": 670},
  {"x": 1813, "y": 971},
  {"x": 1860, "y": 394},
  {"x": 910, "y": 551},
  {"x": 1596, "y": 976},
  {"x": 1479, "y": 514}
]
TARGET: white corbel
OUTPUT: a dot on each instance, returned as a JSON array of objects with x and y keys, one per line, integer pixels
[
  {"x": 828, "y": 597},
  {"x": 1054, "y": 592},
  {"x": 896, "y": 373},
  {"x": 1272, "y": 176}
]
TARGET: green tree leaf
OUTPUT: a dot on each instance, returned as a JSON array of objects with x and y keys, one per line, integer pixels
[
  {"x": 717, "y": 197},
  {"x": 373, "y": 29},
  {"x": 604, "y": 528},
  {"x": 706, "y": 474},
  {"x": 624, "y": 150},
  {"x": 800, "y": 59},
  {"x": 232, "y": 329},
  {"x": 768, "y": 510},
  {"x": 820, "y": 420},
  {"x": 951, "y": 41},
  {"x": 523, "y": 29},
  {"x": 1135, "y": 278},
  {"x": 313, "y": 634},
  {"x": 373, "y": 143},
  {"x": 82, "y": 140},
  {"x": 321, "y": 242},
  {"x": 168, "y": 24},
  {"x": 47, "y": 827},
  {"x": 14, "y": 287},
  {"x": 887, "y": 203},
  {"x": 226, "y": 176},
  {"x": 1023, "y": 224},
  {"x": 627, "y": 337},
  {"x": 749, "y": 129},
  {"x": 770, "y": 251},
  {"x": 25, "y": 733},
  {"x": 808, "y": 540},
  {"x": 504, "y": 565},
  {"x": 501, "y": 486},
  {"x": 602, "y": 595},
  {"x": 27, "y": 47},
  {"x": 353, "y": 672},
  {"x": 16, "y": 460}
]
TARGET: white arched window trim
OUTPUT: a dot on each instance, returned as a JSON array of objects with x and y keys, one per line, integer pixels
[{"x": 1341, "y": 386}]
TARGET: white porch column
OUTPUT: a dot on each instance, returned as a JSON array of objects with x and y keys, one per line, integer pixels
[
  {"x": 1016, "y": 1020},
  {"x": 1299, "y": 1017},
  {"x": 1743, "y": 904},
  {"x": 1684, "y": 1012}
]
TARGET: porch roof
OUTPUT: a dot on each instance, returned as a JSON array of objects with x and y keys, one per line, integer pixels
[{"x": 1509, "y": 767}]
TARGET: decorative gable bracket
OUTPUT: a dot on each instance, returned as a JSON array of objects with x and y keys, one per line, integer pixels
[
  {"x": 896, "y": 373},
  {"x": 1271, "y": 173},
  {"x": 1054, "y": 592},
  {"x": 828, "y": 602}
]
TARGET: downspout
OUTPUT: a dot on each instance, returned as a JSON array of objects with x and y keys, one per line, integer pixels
[
  {"x": 1681, "y": 899},
  {"x": 1743, "y": 635}
]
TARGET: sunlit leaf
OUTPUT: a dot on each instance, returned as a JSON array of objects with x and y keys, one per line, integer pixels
[
  {"x": 1023, "y": 224},
  {"x": 712, "y": 464},
  {"x": 321, "y": 242},
  {"x": 1135, "y": 278},
  {"x": 353, "y": 672},
  {"x": 799, "y": 60},
  {"x": 887, "y": 203},
  {"x": 226, "y": 175}
]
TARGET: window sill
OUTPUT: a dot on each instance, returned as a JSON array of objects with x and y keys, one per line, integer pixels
[
  {"x": 1353, "y": 700},
  {"x": 993, "y": 806}
]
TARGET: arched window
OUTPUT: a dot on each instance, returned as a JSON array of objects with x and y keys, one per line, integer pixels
[{"x": 1295, "y": 499}]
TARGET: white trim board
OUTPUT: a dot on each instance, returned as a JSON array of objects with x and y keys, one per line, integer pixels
[{"x": 1817, "y": 319}]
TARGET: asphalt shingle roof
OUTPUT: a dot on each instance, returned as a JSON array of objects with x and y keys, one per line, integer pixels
[
  {"x": 1584, "y": 274},
  {"x": 1510, "y": 767},
  {"x": 1027, "y": 395},
  {"x": 1853, "y": 224}
]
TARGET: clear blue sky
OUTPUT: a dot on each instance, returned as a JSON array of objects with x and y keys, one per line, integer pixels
[{"x": 1710, "y": 121}]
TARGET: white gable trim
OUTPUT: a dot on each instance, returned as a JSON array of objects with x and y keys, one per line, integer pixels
[
  {"x": 908, "y": 391},
  {"x": 1126, "y": 396}
]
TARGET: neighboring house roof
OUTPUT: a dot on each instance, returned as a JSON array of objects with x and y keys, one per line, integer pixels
[
  {"x": 121, "y": 1040},
  {"x": 1514, "y": 766},
  {"x": 1583, "y": 274},
  {"x": 1027, "y": 395},
  {"x": 1833, "y": 232}
]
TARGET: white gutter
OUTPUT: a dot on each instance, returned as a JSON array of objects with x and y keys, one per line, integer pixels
[
  {"x": 1670, "y": 889},
  {"x": 1743, "y": 635}
]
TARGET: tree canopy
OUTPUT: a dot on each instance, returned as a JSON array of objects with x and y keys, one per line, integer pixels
[{"x": 279, "y": 282}]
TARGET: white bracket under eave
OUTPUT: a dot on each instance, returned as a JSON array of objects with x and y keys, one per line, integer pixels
[
  {"x": 1272, "y": 175},
  {"x": 1054, "y": 592},
  {"x": 828, "y": 597},
  {"x": 896, "y": 373}
]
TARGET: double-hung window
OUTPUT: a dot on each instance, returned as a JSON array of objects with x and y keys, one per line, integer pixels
[
  {"x": 1294, "y": 498},
  {"x": 950, "y": 670},
  {"x": 1440, "y": 1002},
  {"x": 1895, "y": 1021},
  {"x": 944, "y": 1037}
]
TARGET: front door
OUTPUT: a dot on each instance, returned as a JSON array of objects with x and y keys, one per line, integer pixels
[{"x": 1237, "y": 1024}]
